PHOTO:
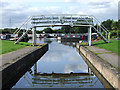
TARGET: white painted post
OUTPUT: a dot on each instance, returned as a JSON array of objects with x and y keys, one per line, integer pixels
[
  {"x": 89, "y": 36},
  {"x": 23, "y": 31},
  {"x": 109, "y": 36},
  {"x": 97, "y": 28},
  {"x": 34, "y": 36}
]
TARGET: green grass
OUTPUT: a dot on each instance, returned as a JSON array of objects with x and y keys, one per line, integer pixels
[
  {"x": 83, "y": 43},
  {"x": 9, "y": 46},
  {"x": 112, "y": 46}
]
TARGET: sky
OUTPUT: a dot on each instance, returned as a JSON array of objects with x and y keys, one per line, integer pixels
[{"x": 14, "y": 13}]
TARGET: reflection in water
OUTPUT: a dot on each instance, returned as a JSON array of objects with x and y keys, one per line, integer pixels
[
  {"x": 63, "y": 61},
  {"x": 61, "y": 80},
  {"x": 73, "y": 44},
  {"x": 59, "y": 57},
  {"x": 72, "y": 67},
  {"x": 71, "y": 80}
]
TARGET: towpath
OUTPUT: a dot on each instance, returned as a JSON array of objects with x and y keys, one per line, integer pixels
[
  {"x": 12, "y": 56},
  {"x": 106, "y": 55}
]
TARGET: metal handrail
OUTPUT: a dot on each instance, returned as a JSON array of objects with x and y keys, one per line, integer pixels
[
  {"x": 100, "y": 23},
  {"x": 21, "y": 37},
  {"x": 99, "y": 26},
  {"x": 85, "y": 17},
  {"x": 22, "y": 25}
]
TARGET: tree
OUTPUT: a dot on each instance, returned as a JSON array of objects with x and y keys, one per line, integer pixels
[
  {"x": 81, "y": 29},
  {"x": 114, "y": 25},
  {"x": 38, "y": 32},
  {"x": 66, "y": 29},
  {"x": 108, "y": 24},
  {"x": 57, "y": 31},
  {"x": 48, "y": 30},
  {"x": 77, "y": 29},
  {"x": 119, "y": 24},
  {"x": 72, "y": 30}
]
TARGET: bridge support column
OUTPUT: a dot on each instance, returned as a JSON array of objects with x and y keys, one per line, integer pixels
[
  {"x": 89, "y": 36},
  {"x": 35, "y": 69},
  {"x": 34, "y": 36}
]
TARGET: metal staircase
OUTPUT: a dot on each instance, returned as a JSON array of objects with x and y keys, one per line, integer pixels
[
  {"x": 61, "y": 20},
  {"x": 27, "y": 26},
  {"x": 99, "y": 28},
  {"x": 22, "y": 37},
  {"x": 99, "y": 33}
]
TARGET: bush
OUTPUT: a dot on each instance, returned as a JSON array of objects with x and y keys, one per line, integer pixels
[
  {"x": 114, "y": 37},
  {"x": 115, "y": 34},
  {"x": 103, "y": 33},
  {"x": 118, "y": 33}
]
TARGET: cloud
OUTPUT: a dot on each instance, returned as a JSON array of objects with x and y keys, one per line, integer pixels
[
  {"x": 75, "y": 68},
  {"x": 100, "y": 5},
  {"x": 57, "y": 53},
  {"x": 20, "y": 10},
  {"x": 98, "y": 8},
  {"x": 19, "y": 14},
  {"x": 93, "y": 2},
  {"x": 119, "y": 10}
]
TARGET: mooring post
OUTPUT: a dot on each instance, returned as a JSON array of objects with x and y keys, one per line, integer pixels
[
  {"x": 89, "y": 36},
  {"x": 34, "y": 36}
]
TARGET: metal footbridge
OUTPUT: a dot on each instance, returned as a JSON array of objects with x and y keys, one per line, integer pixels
[{"x": 58, "y": 20}]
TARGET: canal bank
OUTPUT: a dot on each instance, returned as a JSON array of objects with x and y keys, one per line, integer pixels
[
  {"x": 60, "y": 58},
  {"x": 15, "y": 64},
  {"x": 103, "y": 65}
]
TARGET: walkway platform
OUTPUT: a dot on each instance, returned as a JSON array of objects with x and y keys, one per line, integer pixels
[{"x": 106, "y": 55}]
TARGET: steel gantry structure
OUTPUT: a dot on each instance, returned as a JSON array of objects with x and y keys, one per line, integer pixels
[{"x": 57, "y": 20}]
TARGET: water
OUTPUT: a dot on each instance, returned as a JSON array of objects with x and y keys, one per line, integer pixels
[{"x": 59, "y": 60}]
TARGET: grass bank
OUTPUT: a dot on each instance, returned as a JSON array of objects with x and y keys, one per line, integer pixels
[
  {"x": 112, "y": 46},
  {"x": 9, "y": 46}
]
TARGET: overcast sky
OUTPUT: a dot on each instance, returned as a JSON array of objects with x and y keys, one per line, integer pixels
[{"x": 19, "y": 10}]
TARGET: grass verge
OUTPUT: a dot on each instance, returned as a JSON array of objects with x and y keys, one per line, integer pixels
[
  {"x": 9, "y": 46},
  {"x": 112, "y": 46}
]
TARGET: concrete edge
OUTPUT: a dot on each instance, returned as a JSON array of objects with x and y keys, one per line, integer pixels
[
  {"x": 1, "y": 64},
  {"x": 109, "y": 73},
  {"x": 12, "y": 73},
  {"x": 105, "y": 59},
  {"x": 22, "y": 56},
  {"x": 105, "y": 83}
]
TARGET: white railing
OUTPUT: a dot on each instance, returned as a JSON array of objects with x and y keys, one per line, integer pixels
[
  {"x": 24, "y": 24},
  {"x": 63, "y": 19}
]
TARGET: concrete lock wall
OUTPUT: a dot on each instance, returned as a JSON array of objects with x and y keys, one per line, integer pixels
[
  {"x": 104, "y": 68},
  {"x": 15, "y": 71},
  {"x": 97, "y": 73}
]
